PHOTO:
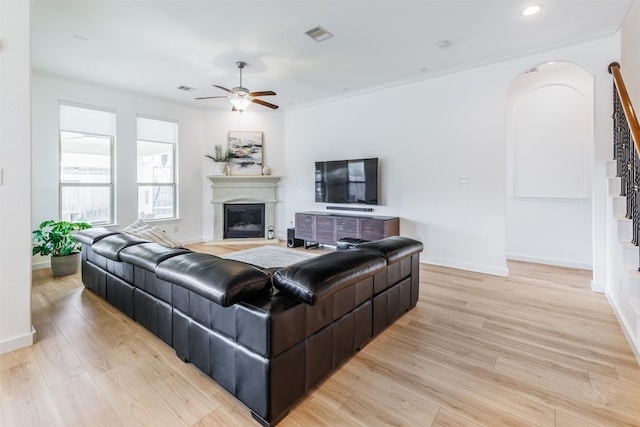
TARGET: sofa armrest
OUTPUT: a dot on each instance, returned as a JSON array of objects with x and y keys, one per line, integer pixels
[
  {"x": 393, "y": 248},
  {"x": 315, "y": 279}
]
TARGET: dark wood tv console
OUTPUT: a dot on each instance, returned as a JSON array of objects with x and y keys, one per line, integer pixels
[{"x": 328, "y": 228}]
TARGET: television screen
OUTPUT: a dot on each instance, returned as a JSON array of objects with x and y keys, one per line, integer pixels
[{"x": 347, "y": 181}]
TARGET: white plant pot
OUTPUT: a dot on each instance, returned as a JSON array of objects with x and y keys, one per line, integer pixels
[{"x": 219, "y": 168}]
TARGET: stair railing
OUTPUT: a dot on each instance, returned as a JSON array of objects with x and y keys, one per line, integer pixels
[{"x": 626, "y": 146}]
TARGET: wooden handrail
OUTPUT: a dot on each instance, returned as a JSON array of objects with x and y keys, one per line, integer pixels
[{"x": 627, "y": 107}]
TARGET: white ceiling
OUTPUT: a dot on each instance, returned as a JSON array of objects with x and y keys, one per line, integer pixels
[{"x": 152, "y": 47}]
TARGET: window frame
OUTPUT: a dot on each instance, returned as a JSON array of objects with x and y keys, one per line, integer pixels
[
  {"x": 174, "y": 176},
  {"x": 110, "y": 185}
]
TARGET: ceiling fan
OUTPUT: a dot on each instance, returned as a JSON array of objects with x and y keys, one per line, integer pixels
[{"x": 240, "y": 96}]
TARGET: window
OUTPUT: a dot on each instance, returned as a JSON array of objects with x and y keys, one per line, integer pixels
[
  {"x": 86, "y": 164},
  {"x": 157, "y": 141}
]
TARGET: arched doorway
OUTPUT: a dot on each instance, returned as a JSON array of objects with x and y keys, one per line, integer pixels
[{"x": 550, "y": 142}]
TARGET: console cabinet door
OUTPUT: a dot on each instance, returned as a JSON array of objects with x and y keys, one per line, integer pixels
[
  {"x": 325, "y": 230},
  {"x": 305, "y": 226},
  {"x": 371, "y": 229},
  {"x": 347, "y": 227}
]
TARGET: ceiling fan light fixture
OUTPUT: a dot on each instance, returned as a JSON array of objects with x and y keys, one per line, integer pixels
[
  {"x": 240, "y": 97},
  {"x": 240, "y": 103}
]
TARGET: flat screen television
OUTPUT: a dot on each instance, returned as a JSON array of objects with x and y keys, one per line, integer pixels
[{"x": 347, "y": 181}]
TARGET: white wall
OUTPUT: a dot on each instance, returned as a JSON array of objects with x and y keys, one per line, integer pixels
[
  {"x": 15, "y": 189},
  {"x": 216, "y": 128},
  {"x": 630, "y": 59},
  {"x": 430, "y": 133},
  {"x": 49, "y": 90},
  {"x": 549, "y": 166}
]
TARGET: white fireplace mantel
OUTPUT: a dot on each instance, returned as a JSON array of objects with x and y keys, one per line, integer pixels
[{"x": 230, "y": 189}]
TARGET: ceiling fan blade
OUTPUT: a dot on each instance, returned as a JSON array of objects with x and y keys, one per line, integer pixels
[
  {"x": 211, "y": 97},
  {"x": 266, "y": 104},
  {"x": 263, "y": 93},
  {"x": 223, "y": 88}
]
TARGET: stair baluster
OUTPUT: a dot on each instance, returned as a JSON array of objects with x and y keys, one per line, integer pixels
[{"x": 628, "y": 165}]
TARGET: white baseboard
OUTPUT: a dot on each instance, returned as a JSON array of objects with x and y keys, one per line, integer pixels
[
  {"x": 40, "y": 265},
  {"x": 550, "y": 261},
  {"x": 626, "y": 328},
  {"x": 502, "y": 272},
  {"x": 18, "y": 342},
  {"x": 595, "y": 287}
]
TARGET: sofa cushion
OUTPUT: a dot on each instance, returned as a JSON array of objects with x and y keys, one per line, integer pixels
[
  {"x": 92, "y": 235},
  {"x": 222, "y": 281},
  {"x": 110, "y": 246},
  {"x": 149, "y": 255},
  {"x": 315, "y": 279},
  {"x": 393, "y": 248}
]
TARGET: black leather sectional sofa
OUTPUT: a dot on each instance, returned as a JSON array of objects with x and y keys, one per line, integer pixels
[{"x": 268, "y": 336}]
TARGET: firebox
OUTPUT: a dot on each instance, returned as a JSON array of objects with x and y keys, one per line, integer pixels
[{"x": 244, "y": 220}]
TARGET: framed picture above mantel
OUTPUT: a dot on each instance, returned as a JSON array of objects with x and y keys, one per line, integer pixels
[{"x": 245, "y": 149}]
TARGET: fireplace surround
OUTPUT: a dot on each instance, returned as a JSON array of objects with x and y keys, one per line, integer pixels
[{"x": 242, "y": 190}]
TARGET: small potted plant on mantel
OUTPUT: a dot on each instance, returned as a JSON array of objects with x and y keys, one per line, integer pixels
[
  {"x": 220, "y": 159},
  {"x": 54, "y": 238}
]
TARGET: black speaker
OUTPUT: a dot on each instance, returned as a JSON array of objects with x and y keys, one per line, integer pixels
[{"x": 292, "y": 242}]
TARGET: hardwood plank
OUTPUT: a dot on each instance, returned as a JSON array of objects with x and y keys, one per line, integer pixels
[
  {"x": 314, "y": 412},
  {"x": 81, "y": 403},
  {"x": 55, "y": 357},
  {"x": 448, "y": 418},
  {"x": 25, "y": 399},
  {"x": 135, "y": 406}
]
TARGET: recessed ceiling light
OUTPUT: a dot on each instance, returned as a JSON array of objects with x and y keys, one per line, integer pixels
[
  {"x": 443, "y": 44},
  {"x": 531, "y": 10}
]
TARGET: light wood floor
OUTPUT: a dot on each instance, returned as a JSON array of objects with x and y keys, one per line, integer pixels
[{"x": 537, "y": 348}]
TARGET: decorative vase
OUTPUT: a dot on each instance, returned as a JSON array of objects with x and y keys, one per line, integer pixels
[
  {"x": 65, "y": 265},
  {"x": 266, "y": 170},
  {"x": 219, "y": 168}
]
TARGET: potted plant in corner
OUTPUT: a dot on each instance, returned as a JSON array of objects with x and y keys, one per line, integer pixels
[
  {"x": 220, "y": 159},
  {"x": 54, "y": 238}
]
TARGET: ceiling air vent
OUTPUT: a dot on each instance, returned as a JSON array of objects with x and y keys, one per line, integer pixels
[
  {"x": 319, "y": 34},
  {"x": 186, "y": 88}
]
